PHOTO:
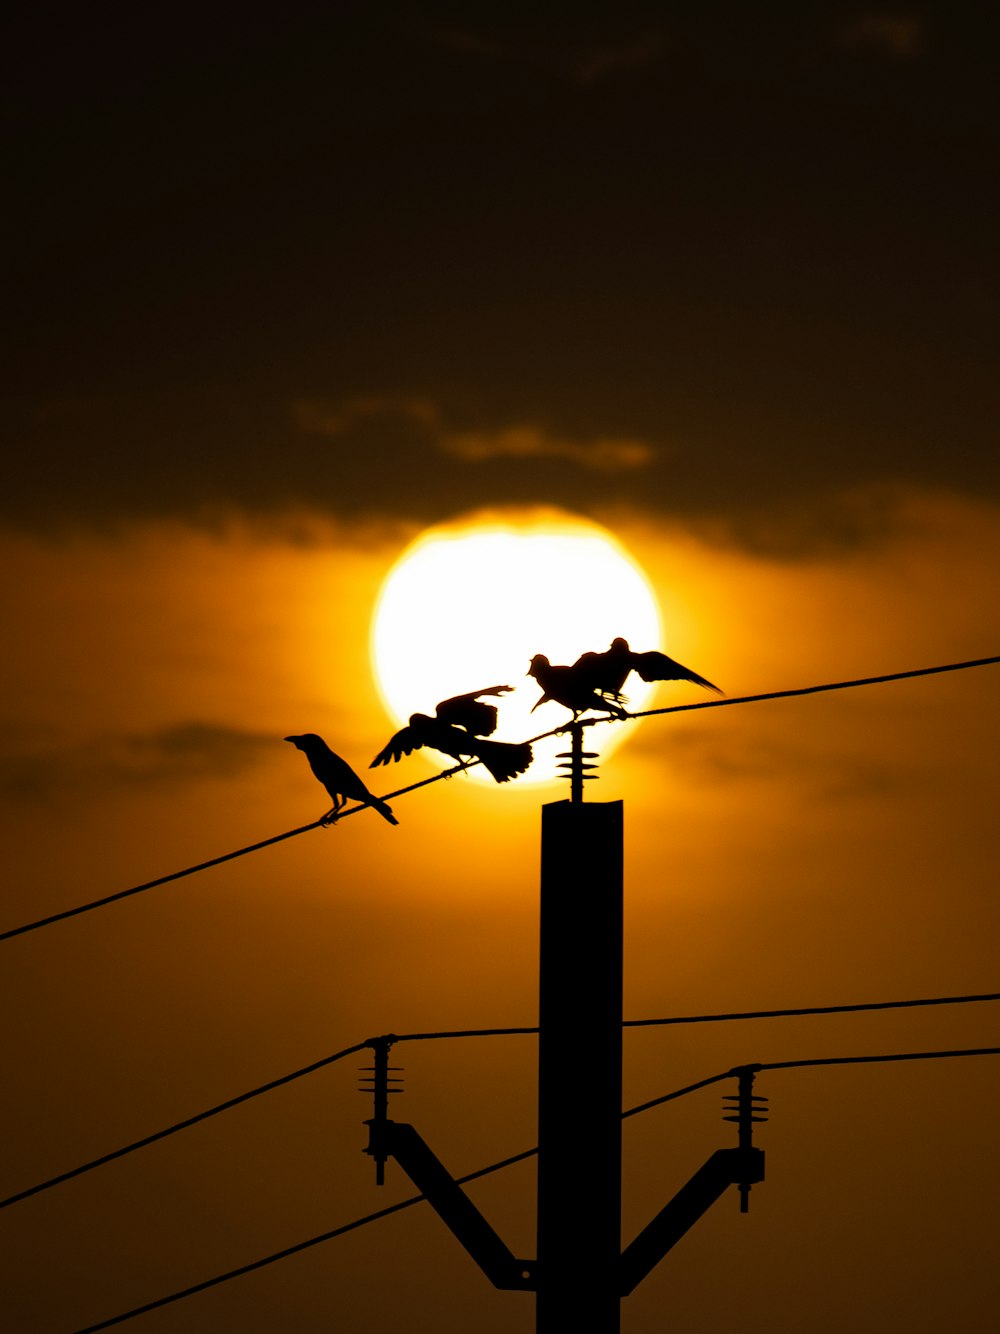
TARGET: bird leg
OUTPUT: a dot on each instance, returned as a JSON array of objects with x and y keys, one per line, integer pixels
[{"x": 333, "y": 814}]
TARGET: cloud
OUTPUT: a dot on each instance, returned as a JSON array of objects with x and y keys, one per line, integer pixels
[
  {"x": 604, "y": 454},
  {"x": 174, "y": 754},
  {"x": 815, "y": 771},
  {"x": 318, "y": 416},
  {"x": 528, "y": 442},
  {"x": 848, "y": 519}
]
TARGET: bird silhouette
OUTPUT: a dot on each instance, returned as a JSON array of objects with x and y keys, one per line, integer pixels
[
  {"x": 607, "y": 672},
  {"x": 470, "y": 712},
  {"x": 337, "y": 777},
  {"x": 504, "y": 759},
  {"x": 571, "y": 687}
]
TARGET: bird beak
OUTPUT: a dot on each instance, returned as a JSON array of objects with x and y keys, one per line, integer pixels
[{"x": 292, "y": 739}]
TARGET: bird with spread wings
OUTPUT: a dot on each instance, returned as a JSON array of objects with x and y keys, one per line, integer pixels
[
  {"x": 460, "y": 728},
  {"x": 337, "y": 776},
  {"x": 607, "y": 672},
  {"x": 570, "y": 687}
]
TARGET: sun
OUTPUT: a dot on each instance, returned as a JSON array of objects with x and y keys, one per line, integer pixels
[{"x": 468, "y": 605}]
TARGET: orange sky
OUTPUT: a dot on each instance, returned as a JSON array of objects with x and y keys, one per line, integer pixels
[
  {"x": 284, "y": 291},
  {"x": 813, "y": 851}
]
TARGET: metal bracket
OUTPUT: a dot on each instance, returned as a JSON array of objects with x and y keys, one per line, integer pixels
[
  {"x": 396, "y": 1139},
  {"x": 725, "y": 1168}
]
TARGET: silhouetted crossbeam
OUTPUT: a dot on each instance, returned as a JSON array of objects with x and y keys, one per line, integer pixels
[
  {"x": 396, "y": 1139},
  {"x": 725, "y": 1168}
]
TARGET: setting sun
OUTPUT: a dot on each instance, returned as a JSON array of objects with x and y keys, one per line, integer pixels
[{"x": 467, "y": 606}]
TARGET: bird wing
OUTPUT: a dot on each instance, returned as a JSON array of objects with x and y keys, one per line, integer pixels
[
  {"x": 338, "y": 776},
  {"x": 469, "y": 712},
  {"x": 588, "y": 667},
  {"x": 573, "y": 689},
  {"x": 445, "y": 737},
  {"x": 476, "y": 694},
  {"x": 604, "y": 672},
  {"x": 457, "y": 703},
  {"x": 334, "y": 773},
  {"x": 405, "y": 742},
  {"x": 656, "y": 666}
]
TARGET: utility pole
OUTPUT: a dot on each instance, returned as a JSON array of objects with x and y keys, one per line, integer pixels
[
  {"x": 579, "y": 1068},
  {"x": 581, "y": 1272}
]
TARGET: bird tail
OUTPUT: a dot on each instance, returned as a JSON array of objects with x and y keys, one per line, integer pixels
[
  {"x": 383, "y": 809},
  {"x": 504, "y": 759}
]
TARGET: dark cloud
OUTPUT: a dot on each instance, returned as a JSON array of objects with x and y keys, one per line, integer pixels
[
  {"x": 838, "y": 774},
  {"x": 494, "y": 259},
  {"x": 852, "y": 519},
  {"x": 171, "y": 755},
  {"x": 528, "y": 442},
  {"x": 521, "y": 441}
]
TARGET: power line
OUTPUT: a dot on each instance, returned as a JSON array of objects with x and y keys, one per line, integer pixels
[
  {"x": 817, "y": 690},
  {"x": 509, "y": 1162},
  {"x": 883, "y": 1059},
  {"x": 214, "y": 861},
  {"x": 679, "y": 1093},
  {"x": 810, "y": 1010},
  {"x": 470, "y": 764},
  {"x": 151, "y": 884},
  {"x": 725, "y": 1017},
  {"x": 868, "y": 1060},
  {"x": 297, "y": 1248},
  {"x": 181, "y": 1125},
  {"x": 324, "y": 1061}
]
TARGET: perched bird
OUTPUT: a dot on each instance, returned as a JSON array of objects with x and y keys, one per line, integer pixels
[
  {"x": 571, "y": 687},
  {"x": 470, "y": 712},
  {"x": 607, "y": 672},
  {"x": 337, "y": 777},
  {"x": 504, "y": 759}
]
